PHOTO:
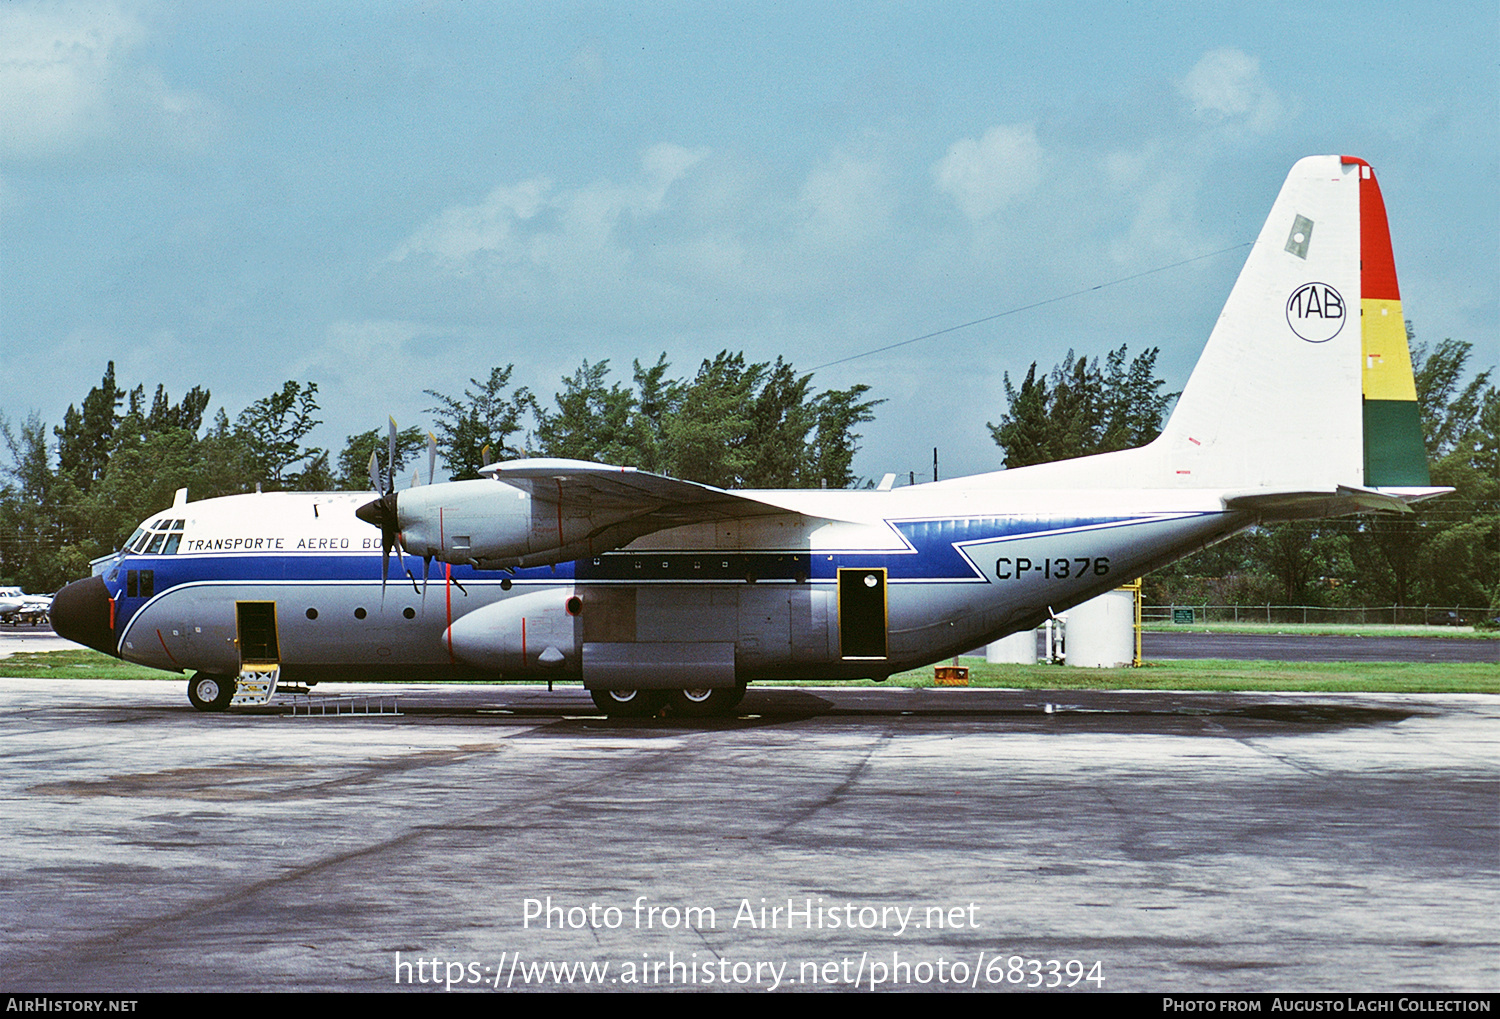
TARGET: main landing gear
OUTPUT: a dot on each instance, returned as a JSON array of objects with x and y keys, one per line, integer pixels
[
  {"x": 210, "y": 692},
  {"x": 691, "y": 703}
]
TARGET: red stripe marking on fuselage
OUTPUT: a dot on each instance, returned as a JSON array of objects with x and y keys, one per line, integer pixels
[
  {"x": 165, "y": 648},
  {"x": 448, "y": 603}
]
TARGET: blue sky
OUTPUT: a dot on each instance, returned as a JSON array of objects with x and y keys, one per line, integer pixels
[{"x": 388, "y": 198}]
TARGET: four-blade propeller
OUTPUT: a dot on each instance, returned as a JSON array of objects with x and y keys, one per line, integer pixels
[{"x": 382, "y": 512}]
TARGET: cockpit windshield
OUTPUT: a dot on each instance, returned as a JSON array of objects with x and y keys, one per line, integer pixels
[{"x": 159, "y": 537}]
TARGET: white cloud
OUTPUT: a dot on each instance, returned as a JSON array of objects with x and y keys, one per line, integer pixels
[
  {"x": 986, "y": 175},
  {"x": 1227, "y": 85},
  {"x": 460, "y": 232},
  {"x": 536, "y": 222},
  {"x": 67, "y": 78},
  {"x": 845, "y": 200}
]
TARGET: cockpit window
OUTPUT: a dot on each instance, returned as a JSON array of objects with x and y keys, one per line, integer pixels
[{"x": 157, "y": 537}]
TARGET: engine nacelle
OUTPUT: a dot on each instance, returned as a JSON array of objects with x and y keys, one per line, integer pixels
[
  {"x": 495, "y": 525},
  {"x": 537, "y": 632}
]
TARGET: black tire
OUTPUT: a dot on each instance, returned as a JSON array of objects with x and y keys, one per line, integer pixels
[
  {"x": 705, "y": 703},
  {"x": 211, "y": 692},
  {"x": 628, "y": 703}
]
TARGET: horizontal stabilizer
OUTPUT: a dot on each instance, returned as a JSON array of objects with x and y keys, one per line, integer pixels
[{"x": 1342, "y": 501}]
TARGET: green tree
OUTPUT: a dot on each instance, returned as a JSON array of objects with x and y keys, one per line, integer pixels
[
  {"x": 354, "y": 462},
  {"x": 705, "y": 436},
  {"x": 654, "y": 402},
  {"x": 1446, "y": 552},
  {"x": 32, "y": 536},
  {"x": 86, "y": 437},
  {"x": 1079, "y": 408},
  {"x": 485, "y": 418},
  {"x": 1451, "y": 409},
  {"x": 592, "y": 421},
  {"x": 838, "y": 413},
  {"x": 272, "y": 429},
  {"x": 735, "y": 424}
]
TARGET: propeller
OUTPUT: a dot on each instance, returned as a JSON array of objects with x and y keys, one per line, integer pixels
[
  {"x": 382, "y": 512},
  {"x": 431, "y": 472}
]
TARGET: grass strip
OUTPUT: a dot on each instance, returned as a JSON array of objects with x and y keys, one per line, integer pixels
[{"x": 1206, "y": 674}]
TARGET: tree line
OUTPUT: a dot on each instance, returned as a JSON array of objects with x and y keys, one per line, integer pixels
[{"x": 74, "y": 491}]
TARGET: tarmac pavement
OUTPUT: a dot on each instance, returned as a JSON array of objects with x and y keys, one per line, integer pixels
[{"x": 500, "y": 837}]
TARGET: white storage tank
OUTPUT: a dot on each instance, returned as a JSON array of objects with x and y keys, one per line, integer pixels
[
  {"x": 1017, "y": 649},
  {"x": 1101, "y": 632}
]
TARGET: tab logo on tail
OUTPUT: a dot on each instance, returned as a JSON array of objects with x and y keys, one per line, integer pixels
[{"x": 1315, "y": 311}]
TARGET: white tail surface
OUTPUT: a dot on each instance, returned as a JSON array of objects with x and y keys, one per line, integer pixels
[
  {"x": 1274, "y": 401},
  {"x": 1306, "y": 378}
]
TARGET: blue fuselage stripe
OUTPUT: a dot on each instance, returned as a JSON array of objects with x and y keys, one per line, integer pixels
[{"x": 934, "y": 555}]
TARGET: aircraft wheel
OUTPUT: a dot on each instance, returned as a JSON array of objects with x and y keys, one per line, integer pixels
[
  {"x": 703, "y": 703},
  {"x": 210, "y": 692},
  {"x": 628, "y": 703}
]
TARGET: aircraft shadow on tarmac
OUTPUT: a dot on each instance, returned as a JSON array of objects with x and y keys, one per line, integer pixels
[{"x": 1063, "y": 710}]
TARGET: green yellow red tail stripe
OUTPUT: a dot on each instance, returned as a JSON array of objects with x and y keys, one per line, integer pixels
[{"x": 1395, "y": 455}]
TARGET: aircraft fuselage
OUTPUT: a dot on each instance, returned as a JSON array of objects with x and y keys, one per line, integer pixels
[{"x": 884, "y": 588}]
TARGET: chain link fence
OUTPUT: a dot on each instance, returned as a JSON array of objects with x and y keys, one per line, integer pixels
[{"x": 1399, "y": 615}]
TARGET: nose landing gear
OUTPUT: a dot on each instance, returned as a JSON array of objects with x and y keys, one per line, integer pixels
[{"x": 210, "y": 692}]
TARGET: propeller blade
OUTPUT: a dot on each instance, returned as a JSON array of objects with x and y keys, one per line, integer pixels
[
  {"x": 385, "y": 565},
  {"x": 431, "y": 456},
  {"x": 374, "y": 472},
  {"x": 390, "y": 462}
]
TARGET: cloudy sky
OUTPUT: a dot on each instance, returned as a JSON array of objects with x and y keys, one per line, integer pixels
[{"x": 386, "y": 198}]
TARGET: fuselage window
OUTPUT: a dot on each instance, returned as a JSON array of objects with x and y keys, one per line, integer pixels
[{"x": 148, "y": 583}]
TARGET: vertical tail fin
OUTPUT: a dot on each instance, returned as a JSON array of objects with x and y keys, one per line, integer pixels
[{"x": 1306, "y": 381}]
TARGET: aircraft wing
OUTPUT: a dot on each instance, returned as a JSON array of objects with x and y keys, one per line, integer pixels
[
  {"x": 623, "y": 489},
  {"x": 570, "y": 509}
]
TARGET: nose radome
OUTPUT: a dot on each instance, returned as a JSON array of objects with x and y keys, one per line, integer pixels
[{"x": 80, "y": 612}]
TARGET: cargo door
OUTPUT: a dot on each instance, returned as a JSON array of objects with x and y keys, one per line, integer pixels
[
  {"x": 256, "y": 624},
  {"x": 862, "y": 614}
]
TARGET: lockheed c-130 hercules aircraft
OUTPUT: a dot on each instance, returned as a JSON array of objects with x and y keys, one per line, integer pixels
[{"x": 658, "y": 592}]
